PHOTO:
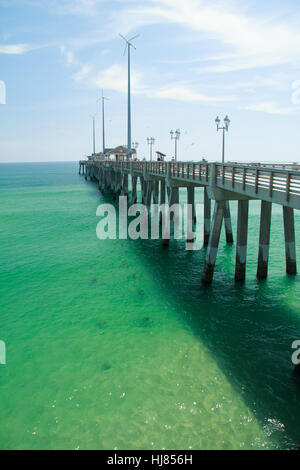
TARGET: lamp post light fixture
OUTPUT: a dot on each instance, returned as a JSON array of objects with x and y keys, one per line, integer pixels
[
  {"x": 151, "y": 142},
  {"x": 224, "y": 128},
  {"x": 175, "y": 136}
]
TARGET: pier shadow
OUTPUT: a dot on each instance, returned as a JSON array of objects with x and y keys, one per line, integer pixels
[{"x": 247, "y": 327}]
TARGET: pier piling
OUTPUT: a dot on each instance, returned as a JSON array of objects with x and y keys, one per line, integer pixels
[
  {"x": 207, "y": 217},
  {"x": 242, "y": 235},
  {"x": 213, "y": 243},
  {"x": 264, "y": 239},
  {"x": 290, "y": 245},
  {"x": 227, "y": 223}
]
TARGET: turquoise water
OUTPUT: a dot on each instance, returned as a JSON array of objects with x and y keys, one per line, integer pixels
[{"x": 116, "y": 344}]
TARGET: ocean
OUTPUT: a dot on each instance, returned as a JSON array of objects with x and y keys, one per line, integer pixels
[{"x": 116, "y": 344}]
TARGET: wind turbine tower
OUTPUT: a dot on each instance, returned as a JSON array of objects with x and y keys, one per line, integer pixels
[
  {"x": 127, "y": 47},
  {"x": 103, "y": 122}
]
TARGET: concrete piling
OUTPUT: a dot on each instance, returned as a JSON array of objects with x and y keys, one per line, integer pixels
[
  {"x": 133, "y": 199},
  {"x": 290, "y": 245},
  {"x": 213, "y": 243},
  {"x": 207, "y": 216},
  {"x": 227, "y": 223},
  {"x": 264, "y": 239},
  {"x": 242, "y": 235}
]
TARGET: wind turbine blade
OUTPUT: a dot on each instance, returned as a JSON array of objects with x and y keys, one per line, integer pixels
[
  {"x": 125, "y": 50},
  {"x": 134, "y": 37},
  {"x": 123, "y": 38}
]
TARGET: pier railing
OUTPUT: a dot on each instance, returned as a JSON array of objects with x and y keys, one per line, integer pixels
[{"x": 263, "y": 182}]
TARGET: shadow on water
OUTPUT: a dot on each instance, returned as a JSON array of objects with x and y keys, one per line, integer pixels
[{"x": 247, "y": 327}]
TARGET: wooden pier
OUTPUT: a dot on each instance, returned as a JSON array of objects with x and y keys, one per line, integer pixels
[{"x": 160, "y": 183}]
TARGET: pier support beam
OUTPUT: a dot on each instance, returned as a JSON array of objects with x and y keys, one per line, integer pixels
[
  {"x": 162, "y": 192},
  {"x": 207, "y": 216},
  {"x": 191, "y": 200},
  {"x": 242, "y": 235},
  {"x": 227, "y": 223},
  {"x": 143, "y": 189},
  {"x": 149, "y": 190},
  {"x": 156, "y": 192},
  {"x": 264, "y": 239},
  {"x": 124, "y": 190},
  {"x": 213, "y": 243},
  {"x": 133, "y": 199},
  {"x": 290, "y": 245},
  {"x": 173, "y": 198},
  {"x": 162, "y": 197}
]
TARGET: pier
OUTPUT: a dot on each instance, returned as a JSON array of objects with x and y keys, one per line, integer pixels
[{"x": 221, "y": 182}]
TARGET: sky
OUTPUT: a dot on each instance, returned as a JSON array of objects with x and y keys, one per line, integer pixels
[{"x": 194, "y": 60}]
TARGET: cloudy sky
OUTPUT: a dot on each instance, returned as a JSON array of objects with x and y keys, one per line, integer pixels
[{"x": 195, "y": 59}]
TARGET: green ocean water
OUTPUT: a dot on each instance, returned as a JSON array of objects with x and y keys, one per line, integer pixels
[{"x": 116, "y": 344}]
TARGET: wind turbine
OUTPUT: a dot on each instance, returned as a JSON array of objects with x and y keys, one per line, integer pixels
[
  {"x": 102, "y": 98},
  {"x": 128, "y": 45},
  {"x": 93, "y": 116}
]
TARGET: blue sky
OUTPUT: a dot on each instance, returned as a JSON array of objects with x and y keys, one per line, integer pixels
[{"x": 195, "y": 59}]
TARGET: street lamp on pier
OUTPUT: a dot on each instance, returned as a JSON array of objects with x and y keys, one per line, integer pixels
[
  {"x": 224, "y": 128},
  {"x": 151, "y": 142},
  {"x": 175, "y": 136}
]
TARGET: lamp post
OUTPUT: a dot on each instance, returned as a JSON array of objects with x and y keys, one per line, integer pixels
[
  {"x": 135, "y": 146},
  {"x": 224, "y": 128},
  {"x": 175, "y": 136},
  {"x": 151, "y": 142}
]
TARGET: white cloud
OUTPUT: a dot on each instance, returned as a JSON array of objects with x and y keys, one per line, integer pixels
[
  {"x": 83, "y": 73},
  {"x": 186, "y": 94},
  {"x": 69, "y": 56},
  {"x": 14, "y": 49},
  {"x": 271, "y": 108},
  {"x": 115, "y": 78},
  {"x": 251, "y": 42},
  {"x": 66, "y": 7}
]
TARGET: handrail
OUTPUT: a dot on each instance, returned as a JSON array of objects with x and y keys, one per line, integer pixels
[{"x": 246, "y": 179}]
